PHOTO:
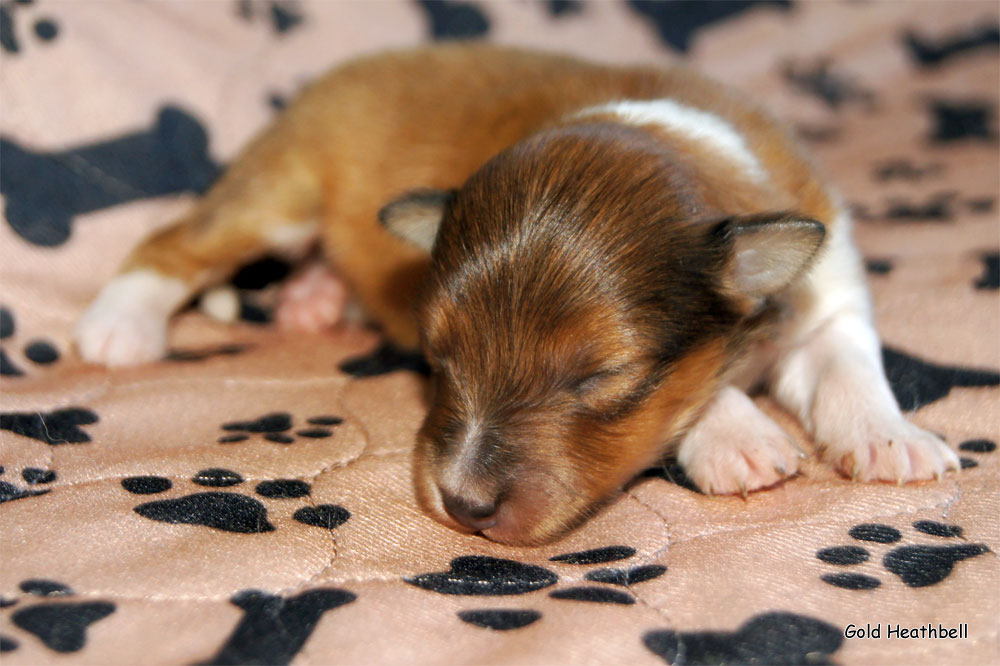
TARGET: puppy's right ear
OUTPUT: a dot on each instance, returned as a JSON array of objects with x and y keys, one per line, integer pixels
[{"x": 416, "y": 216}]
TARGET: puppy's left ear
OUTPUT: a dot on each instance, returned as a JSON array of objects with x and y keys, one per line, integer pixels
[
  {"x": 416, "y": 215},
  {"x": 766, "y": 253}
]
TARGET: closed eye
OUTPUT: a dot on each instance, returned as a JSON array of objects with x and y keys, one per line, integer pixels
[{"x": 587, "y": 384}]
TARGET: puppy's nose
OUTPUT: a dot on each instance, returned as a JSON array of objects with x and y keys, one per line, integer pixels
[{"x": 474, "y": 515}]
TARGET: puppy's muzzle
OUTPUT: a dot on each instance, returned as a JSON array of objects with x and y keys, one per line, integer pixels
[{"x": 474, "y": 514}]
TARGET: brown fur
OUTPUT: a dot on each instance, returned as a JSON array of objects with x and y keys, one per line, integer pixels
[
  {"x": 575, "y": 309},
  {"x": 575, "y": 320},
  {"x": 381, "y": 126}
]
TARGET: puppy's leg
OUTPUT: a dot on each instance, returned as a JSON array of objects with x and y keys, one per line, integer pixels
[
  {"x": 385, "y": 274},
  {"x": 735, "y": 448},
  {"x": 265, "y": 202},
  {"x": 830, "y": 375}
]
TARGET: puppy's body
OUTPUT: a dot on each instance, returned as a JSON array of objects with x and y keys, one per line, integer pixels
[{"x": 631, "y": 249}]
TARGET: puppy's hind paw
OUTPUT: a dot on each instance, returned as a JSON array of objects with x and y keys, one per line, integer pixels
[
  {"x": 127, "y": 323},
  {"x": 314, "y": 300}
]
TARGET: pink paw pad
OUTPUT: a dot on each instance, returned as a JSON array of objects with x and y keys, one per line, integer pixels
[{"x": 311, "y": 301}]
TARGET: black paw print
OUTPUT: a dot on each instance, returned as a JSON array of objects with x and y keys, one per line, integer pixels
[
  {"x": 978, "y": 446},
  {"x": 283, "y": 15},
  {"x": 44, "y": 28},
  {"x": 916, "y": 565},
  {"x": 229, "y": 511},
  {"x": 61, "y": 625},
  {"x": 34, "y": 477},
  {"x": 39, "y": 352},
  {"x": 479, "y": 575},
  {"x": 962, "y": 120},
  {"x": 274, "y": 428},
  {"x": 61, "y": 426}
]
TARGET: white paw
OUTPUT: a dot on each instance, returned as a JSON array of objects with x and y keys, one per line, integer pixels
[
  {"x": 861, "y": 432},
  {"x": 312, "y": 301},
  {"x": 893, "y": 450},
  {"x": 735, "y": 448},
  {"x": 127, "y": 323}
]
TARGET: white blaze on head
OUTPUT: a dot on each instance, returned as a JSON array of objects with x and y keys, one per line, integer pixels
[
  {"x": 462, "y": 465},
  {"x": 689, "y": 123}
]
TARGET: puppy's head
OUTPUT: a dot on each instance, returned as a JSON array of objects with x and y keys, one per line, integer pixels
[{"x": 577, "y": 319}]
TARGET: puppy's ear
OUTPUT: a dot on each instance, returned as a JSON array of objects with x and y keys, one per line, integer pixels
[
  {"x": 416, "y": 215},
  {"x": 766, "y": 253}
]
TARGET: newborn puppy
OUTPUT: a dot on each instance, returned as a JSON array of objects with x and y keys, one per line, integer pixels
[{"x": 602, "y": 259}]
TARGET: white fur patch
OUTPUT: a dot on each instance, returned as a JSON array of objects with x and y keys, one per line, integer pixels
[
  {"x": 221, "y": 303},
  {"x": 456, "y": 477},
  {"x": 736, "y": 448},
  {"x": 830, "y": 375},
  {"x": 293, "y": 239},
  {"x": 127, "y": 322},
  {"x": 691, "y": 123}
]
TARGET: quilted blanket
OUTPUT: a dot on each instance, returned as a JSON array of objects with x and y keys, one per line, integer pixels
[{"x": 248, "y": 499}]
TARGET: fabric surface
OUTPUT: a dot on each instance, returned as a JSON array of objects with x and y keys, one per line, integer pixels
[{"x": 249, "y": 499}]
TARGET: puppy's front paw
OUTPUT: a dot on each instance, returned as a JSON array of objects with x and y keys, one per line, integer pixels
[
  {"x": 735, "y": 448},
  {"x": 895, "y": 450},
  {"x": 127, "y": 323}
]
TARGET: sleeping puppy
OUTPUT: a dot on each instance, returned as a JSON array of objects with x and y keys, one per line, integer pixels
[{"x": 603, "y": 260}]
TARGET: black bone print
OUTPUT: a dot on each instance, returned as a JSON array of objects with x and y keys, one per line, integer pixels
[
  {"x": 60, "y": 625},
  {"x": 679, "y": 22},
  {"x": 916, "y": 383},
  {"x": 385, "y": 359},
  {"x": 930, "y": 53},
  {"x": 274, "y": 628},
  {"x": 450, "y": 19},
  {"x": 45, "y": 191},
  {"x": 770, "y": 638}
]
